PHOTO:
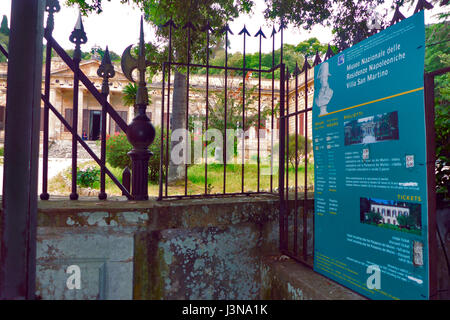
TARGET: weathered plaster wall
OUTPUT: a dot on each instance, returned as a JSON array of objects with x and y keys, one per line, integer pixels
[{"x": 196, "y": 249}]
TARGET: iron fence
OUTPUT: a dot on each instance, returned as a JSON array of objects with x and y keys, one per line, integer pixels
[
  {"x": 106, "y": 71},
  {"x": 164, "y": 185}
]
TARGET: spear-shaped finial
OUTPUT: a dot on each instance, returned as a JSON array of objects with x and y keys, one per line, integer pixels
[
  {"x": 106, "y": 71},
  {"x": 297, "y": 70},
  {"x": 226, "y": 29},
  {"x": 106, "y": 57},
  {"x": 142, "y": 94},
  {"x": 317, "y": 59},
  {"x": 79, "y": 24},
  {"x": 141, "y": 39},
  {"x": 170, "y": 23},
  {"x": 398, "y": 16},
  {"x": 306, "y": 65},
  {"x": 421, "y": 5},
  {"x": 273, "y": 32},
  {"x": 282, "y": 25},
  {"x": 78, "y": 37},
  {"x": 244, "y": 31},
  {"x": 206, "y": 27},
  {"x": 329, "y": 53},
  {"x": 260, "y": 33},
  {"x": 189, "y": 25}
]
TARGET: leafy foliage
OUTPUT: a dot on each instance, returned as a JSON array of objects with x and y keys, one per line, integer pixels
[
  {"x": 117, "y": 148},
  {"x": 300, "y": 153},
  {"x": 347, "y": 18},
  {"x": 291, "y": 55},
  {"x": 86, "y": 177},
  {"x": 216, "y": 111},
  {"x": 87, "y": 55},
  {"x": 406, "y": 221},
  {"x": 4, "y": 29},
  {"x": 129, "y": 94},
  {"x": 374, "y": 217},
  {"x": 437, "y": 56},
  {"x": 4, "y": 37}
]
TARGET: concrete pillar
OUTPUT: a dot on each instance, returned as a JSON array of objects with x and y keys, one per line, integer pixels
[
  {"x": 80, "y": 110},
  {"x": 19, "y": 221}
]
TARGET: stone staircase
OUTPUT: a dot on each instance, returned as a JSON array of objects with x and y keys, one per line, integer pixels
[{"x": 63, "y": 149}]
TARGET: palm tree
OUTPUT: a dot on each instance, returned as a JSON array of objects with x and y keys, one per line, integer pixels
[{"x": 129, "y": 96}]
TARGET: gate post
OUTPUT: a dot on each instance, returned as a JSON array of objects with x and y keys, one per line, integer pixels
[
  {"x": 19, "y": 220},
  {"x": 140, "y": 132}
]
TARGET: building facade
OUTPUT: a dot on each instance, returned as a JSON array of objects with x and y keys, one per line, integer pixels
[
  {"x": 390, "y": 213},
  {"x": 89, "y": 110}
]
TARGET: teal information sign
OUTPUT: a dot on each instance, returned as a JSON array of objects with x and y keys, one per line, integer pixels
[{"x": 371, "y": 229}]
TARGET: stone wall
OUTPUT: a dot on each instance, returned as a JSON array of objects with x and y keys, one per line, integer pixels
[{"x": 196, "y": 249}]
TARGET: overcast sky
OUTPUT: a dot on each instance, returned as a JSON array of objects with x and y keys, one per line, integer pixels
[{"x": 118, "y": 27}]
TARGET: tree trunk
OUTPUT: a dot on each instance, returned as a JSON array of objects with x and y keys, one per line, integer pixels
[{"x": 176, "y": 171}]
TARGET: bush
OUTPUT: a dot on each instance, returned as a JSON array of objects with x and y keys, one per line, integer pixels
[
  {"x": 117, "y": 148},
  {"x": 86, "y": 177},
  {"x": 300, "y": 154},
  {"x": 374, "y": 217}
]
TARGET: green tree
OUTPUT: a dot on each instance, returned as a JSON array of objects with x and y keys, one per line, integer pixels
[
  {"x": 129, "y": 95},
  {"x": 4, "y": 29},
  {"x": 347, "y": 18},
  {"x": 374, "y": 217},
  {"x": 216, "y": 110},
  {"x": 4, "y": 41},
  {"x": 292, "y": 55},
  {"x": 310, "y": 46},
  {"x": 300, "y": 153},
  {"x": 101, "y": 52},
  {"x": 4, "y": 37},
  {"x": 117, "y": 148},
  {"x": 437, "y": 56},
  {"x": 406, "y": 221},
  {"x": 158, "y": 12}
]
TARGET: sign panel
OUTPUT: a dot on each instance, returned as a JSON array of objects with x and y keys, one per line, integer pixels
[{"x": 371, "y": 230}]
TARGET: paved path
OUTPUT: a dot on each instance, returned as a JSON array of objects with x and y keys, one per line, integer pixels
[{"x": 55, "y": 166}]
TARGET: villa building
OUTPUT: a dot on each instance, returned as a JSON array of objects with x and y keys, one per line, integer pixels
[
  {"x": 390, "y": 213},
  {"x": 89, "y": 110}
]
